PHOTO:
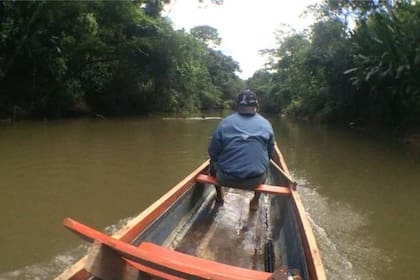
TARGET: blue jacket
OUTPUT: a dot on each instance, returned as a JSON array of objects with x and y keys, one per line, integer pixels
[{"x": 242, "y": 145}]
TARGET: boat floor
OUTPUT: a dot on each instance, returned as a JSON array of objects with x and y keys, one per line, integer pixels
[{"x": 230, "y": 233}]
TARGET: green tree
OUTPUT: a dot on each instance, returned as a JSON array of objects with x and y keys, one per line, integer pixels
[
  {"x": 386, "y": 64},
  {"x": 206, "y": 34},
  {"x": 112, "y": 58},
  {"x": 367, "y": 73}
]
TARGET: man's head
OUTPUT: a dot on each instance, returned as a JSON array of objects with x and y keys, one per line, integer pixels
[{"x": 247, "y": 102}]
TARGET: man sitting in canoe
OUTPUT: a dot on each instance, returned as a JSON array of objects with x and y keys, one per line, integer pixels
[{"x": 241, "y": 148}]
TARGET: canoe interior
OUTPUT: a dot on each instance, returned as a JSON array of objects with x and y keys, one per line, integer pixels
[{"x": 230, "y": 233}]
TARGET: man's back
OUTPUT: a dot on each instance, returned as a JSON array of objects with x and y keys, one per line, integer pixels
[{"x": 242, "y": 144}]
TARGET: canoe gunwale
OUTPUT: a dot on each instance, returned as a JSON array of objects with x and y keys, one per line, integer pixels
[{"x": 313, "y": 257}]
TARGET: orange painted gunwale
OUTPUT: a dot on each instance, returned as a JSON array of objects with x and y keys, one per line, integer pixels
[{"x": 313, "y": 257}]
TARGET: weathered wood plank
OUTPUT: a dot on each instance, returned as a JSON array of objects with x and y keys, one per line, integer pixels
[{"x": 104, "y": 263}]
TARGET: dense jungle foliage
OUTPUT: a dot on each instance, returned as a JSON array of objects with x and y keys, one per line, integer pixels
[
  {"x": 60, "y": 59},
  {"x": 359, "y": 63}
]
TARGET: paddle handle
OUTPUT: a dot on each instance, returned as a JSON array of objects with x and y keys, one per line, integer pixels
[{"x": 286, "y": 175}]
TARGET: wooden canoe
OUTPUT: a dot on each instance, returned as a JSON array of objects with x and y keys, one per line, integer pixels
[{"x": 187, "y": 235}]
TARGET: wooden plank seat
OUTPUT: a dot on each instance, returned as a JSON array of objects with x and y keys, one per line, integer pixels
[
  {"x": 277, "y": 190},
  {"x": 160, "y": 261}
]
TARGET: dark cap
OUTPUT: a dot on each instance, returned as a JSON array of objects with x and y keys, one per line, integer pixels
[{"x": 247, "y": 98}]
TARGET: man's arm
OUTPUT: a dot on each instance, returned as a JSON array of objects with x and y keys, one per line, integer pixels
[
  {"x": 275, "y": 156},
  {"x": 272, "y": 149},
  {"x": 215, "y": 146}
]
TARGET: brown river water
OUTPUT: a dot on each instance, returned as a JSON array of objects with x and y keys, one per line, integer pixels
[{"x": 360, "y": 189}]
